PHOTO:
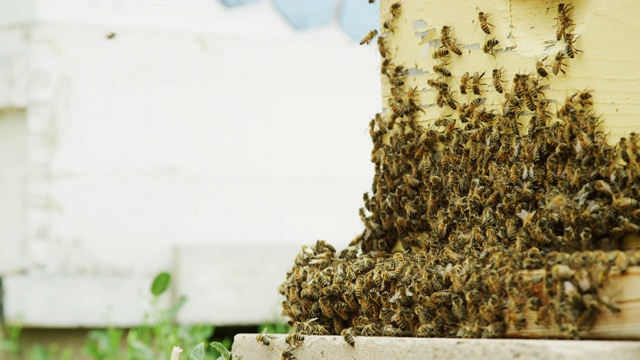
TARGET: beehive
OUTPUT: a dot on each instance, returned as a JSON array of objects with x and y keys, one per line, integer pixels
[{"x": 504, "y": 207}]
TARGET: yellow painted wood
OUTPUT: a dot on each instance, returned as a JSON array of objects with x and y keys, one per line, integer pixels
[{"x": 607, "y": 33}]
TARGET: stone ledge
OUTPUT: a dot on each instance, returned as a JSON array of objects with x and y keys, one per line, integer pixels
[{"x": 368, "y": 348}]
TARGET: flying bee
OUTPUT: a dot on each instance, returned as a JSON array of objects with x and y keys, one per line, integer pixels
[
  {"x": 441, "y": 70},
  {"x": 440, "y": 52},
  {"x": 463, "y": 82},
  {"x": 475, "y": 82},
  {"x": 484, "y": 25},
  {"x": 569, "y": 49},
  {"x": 540, "y": 68},
  {"x": 489, "y": 45},
  {"x": 348, "y": 336},
  {"x": 370, "y": 36},
  {"x": 497, "y": 81},
  {"x": 557, "y": 63}
]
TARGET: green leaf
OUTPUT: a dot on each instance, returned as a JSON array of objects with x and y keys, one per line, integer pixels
[
  {"x": 198, "y": 352},
  {"x": 160, "y": 283},
  {"x": 226, "y": 354}
]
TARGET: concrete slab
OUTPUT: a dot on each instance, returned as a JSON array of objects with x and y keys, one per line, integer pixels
[{"x": 368, "y": 348}]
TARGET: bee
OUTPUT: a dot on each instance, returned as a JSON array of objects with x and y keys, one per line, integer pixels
[
  {"x": 463, "y": 82},
  {"x": 484, "y": 25},
  {"x": 395, "y": 9},
  {"x": 388, "y": 26},
  {"x": 623, "y": 203},
  {"x": 540, "y": 68},
  {"x": 489, "y": 45},
  {"x": 475, "y": 83},
  {"x": 441, "y": 70},
  {"x": 264, "y": 339},
  {"x": 326, "y": 308},
  {"x": 569, "y": 49},
  {"x": 348, "y": 336},
  {"x": 557, "y": 63},
  {"x": 533, "y": 88},
  {"x": 564, "y": 21},
  {"x": 454, "y": 48},
  {"x": 294, "y": 338},
  {"x": 381, "y": 47},
  {"x": 370, "y": 36},
  {"x": 287, "y": 355},
  {"x": 439, "y": 85},
  {"x": 440, "y": 52},
  {"x": 427, "y": 330},
  {"x": 449, "y": 101},
  {"x": 440, "y": 297},
  {"x": 110, "y": 36},
  {"x": 497, "y": 81},
  {"x": 528, "y": 100}
]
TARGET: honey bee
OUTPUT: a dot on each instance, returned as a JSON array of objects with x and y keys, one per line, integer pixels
[
  {"x": 623, "y": 203},
  {"x": 263, "y": 338},
  {"x": 454, "y": 48},
  {"x": 439, "y": 85},
  {"x": 441, "y": 70},
  {"x": 370, "y": 36},
  {"x": 395, "y": 9},
  {"x": 348, "y": 336},
  {"x": 294, "y": 338},
  {"x": 381, "y": 47},
  {"x": 489, "y": 45},
  {"x": 288, "y": 355},
  {"x": 440, "y": 52},
  {"x": 557, "y": 64},
  {"x": 497, "y": 81},
  {"x": 484, "y": 25},
  {"x": 528, "y": 101},
  {"x": 463, "y": 83},
  {"x": 475, "y": 83},
  {"x": 564, "y": 21},
  {"x": 569, "y": 49},
  {"x": 388, "y": 26},
  {"x": 540, "y": 68}
]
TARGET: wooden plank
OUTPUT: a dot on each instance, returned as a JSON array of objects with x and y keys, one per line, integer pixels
[{"x": 624, "y": 289}]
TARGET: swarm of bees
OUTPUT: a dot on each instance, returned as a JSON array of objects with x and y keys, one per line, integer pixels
[{"x": 478, "y": 217}]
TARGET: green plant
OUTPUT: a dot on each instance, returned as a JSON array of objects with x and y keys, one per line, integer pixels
[{"x": 153, "y": 340}]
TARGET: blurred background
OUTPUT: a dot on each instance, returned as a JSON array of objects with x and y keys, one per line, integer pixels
[{"x": 208, "y": 139}]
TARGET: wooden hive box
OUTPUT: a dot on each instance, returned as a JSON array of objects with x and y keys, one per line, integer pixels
[{"x": 605, "y": 62}]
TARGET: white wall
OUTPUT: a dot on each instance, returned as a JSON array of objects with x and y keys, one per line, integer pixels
[{"x": 195, "y": 125}]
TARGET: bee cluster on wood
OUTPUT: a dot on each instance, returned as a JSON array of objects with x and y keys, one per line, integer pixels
[{"x": 478, "y": 217}]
